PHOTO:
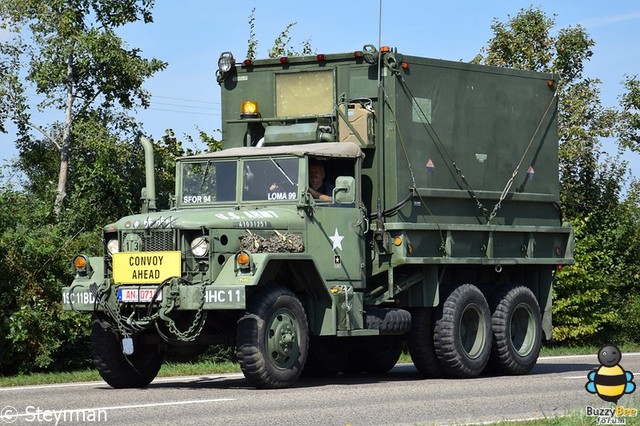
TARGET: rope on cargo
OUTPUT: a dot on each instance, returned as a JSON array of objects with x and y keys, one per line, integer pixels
[
  {"x": 507, "y": 187},
  {"x": 414, "y": 188},
  {"x": 432, "y": 132},
  {"x": 440, "y": 147}
]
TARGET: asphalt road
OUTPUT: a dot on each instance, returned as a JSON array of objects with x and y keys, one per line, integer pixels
[{"x": 556, "y": 386}]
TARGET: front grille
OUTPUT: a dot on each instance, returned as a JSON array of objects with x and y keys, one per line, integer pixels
[{"x": 158, "y": 241}]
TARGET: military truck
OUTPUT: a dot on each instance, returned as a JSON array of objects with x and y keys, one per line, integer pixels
[{"x": 442, "y": 231}]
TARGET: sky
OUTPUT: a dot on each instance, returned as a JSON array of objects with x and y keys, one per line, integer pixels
[{"x": 190, "y": 35}]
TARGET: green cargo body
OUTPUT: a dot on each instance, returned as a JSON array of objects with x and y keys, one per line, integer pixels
[{"x": 439, "y": 225}]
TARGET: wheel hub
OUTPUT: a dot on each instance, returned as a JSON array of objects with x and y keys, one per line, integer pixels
[
  {"x": 472, "y": 334},
  {"x": 522, "y": 330},
  {"x": 282, "y": 339}
]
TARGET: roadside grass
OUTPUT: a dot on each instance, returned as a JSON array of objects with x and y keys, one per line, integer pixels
[
  {"x": 168, "y": 369},
  {"x": 580, "y": 418},
  {"x": 208, "y": 366},
  {"x": 584, "y": 350}
]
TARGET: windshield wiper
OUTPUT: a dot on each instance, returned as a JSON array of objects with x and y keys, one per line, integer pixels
[
  {"x": 205, "y": 174},
  {"x": 283, "y": 172}
]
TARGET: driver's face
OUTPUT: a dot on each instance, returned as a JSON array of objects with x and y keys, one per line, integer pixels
[{"x": 316, "y": 176}]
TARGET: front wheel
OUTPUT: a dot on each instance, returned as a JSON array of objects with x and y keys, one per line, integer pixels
[
  {"x": 517, "y": 330},
  {"x": 123, "y": 371},
  {"x": 462, "y": 336},
  {"x": 272, "y": 338}
]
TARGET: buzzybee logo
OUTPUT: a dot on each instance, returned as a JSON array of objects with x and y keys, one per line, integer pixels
[{"x": 610, "y": 381}]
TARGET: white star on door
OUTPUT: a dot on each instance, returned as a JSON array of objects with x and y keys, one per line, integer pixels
[{"x": 336, "y": 239}]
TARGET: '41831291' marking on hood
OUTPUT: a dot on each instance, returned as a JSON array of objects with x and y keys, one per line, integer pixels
[{"x": 253, "y": 214}]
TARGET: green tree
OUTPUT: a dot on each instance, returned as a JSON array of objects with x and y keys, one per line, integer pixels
[
  {"x": 281, "y": 45},
  {"x": 629, "y": 127},
  {"x": 87, "y": 74},
  {"x": 76, "y": 61},
  {"x": 526, "y": 42}
]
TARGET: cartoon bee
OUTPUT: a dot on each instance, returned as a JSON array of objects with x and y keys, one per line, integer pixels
[{"x": 610, "y": 381}]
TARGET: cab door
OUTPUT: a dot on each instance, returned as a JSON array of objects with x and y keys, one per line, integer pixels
[{"x": 336, "y": 234}]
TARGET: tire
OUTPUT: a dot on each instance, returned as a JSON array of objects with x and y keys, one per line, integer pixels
[
  {"x": 421, "y": 346},
  {"x": 462, "y": 335},
  {"x": 517, "y": 330},
  {"x": 272, "y": 338},
  {"x": 388, "y": 321},
  {"x": 123, "y": 371},
  {"x": 326, "y": 357}
]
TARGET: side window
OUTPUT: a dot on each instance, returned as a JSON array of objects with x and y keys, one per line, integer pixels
[{"x": 323, "y": 174}]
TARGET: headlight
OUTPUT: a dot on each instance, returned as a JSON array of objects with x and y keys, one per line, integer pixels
[
  {"x": 199, "y": 246},
  {"x": 226, "y": 62},
  {"x": 113, "y": 246}
]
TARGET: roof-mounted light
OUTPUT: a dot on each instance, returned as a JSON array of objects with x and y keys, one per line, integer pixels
[
  {"x": 226, "y": 62},
  {"x": 249, "y": 109},
  {"x": 320, "y": 57},
  {"x": 370, "y": 54},
  {"x": 284, "y": 60},
  {"x": 247, "y": 63}
]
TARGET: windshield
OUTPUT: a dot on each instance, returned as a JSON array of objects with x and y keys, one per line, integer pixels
[
  {"x": 208, "y": 181},
  {"x": 273, "y": 179},
  {"x": 264, "y": 179}
]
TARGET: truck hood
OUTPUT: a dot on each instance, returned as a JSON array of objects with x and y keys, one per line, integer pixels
[{"x": 214, "y": 218}]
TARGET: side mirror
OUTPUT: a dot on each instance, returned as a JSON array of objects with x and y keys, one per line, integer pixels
[{"x": 345, "y": 190}]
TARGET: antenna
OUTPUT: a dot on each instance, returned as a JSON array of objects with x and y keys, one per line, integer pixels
[{"x": 379, "y": 42}]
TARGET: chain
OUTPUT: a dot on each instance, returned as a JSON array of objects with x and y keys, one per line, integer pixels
[
  {"x": 472, "y": 193},
  {"x": 126, "y": 326},
  {"x": 195, "y": 329},
  {"x": 503, "y": 195}
]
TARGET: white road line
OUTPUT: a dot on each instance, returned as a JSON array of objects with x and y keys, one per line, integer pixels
[
  {"x": 582, "y": 377},
  {"x": 98, "y": 383},
  {"x": 116, "y": 407},
  {"x": 594, "y": 356}
]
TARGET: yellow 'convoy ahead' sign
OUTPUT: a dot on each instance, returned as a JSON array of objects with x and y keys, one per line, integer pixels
[{"x": 146, "y": 267}]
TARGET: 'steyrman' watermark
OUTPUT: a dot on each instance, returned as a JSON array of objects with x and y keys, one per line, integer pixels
[{"x": 36, "y": 414}]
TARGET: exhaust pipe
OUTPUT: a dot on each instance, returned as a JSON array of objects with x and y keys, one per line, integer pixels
[{"x": 149, "y": 191}]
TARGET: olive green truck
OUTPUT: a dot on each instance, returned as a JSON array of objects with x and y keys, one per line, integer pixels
[{"x": 441, "y": 232}]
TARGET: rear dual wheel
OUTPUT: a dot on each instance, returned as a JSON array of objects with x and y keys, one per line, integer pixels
[
  {"x": 466, "y": 335},
  {"x": 517, "y": 330},
  {"x": 462, "y": 333}
]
